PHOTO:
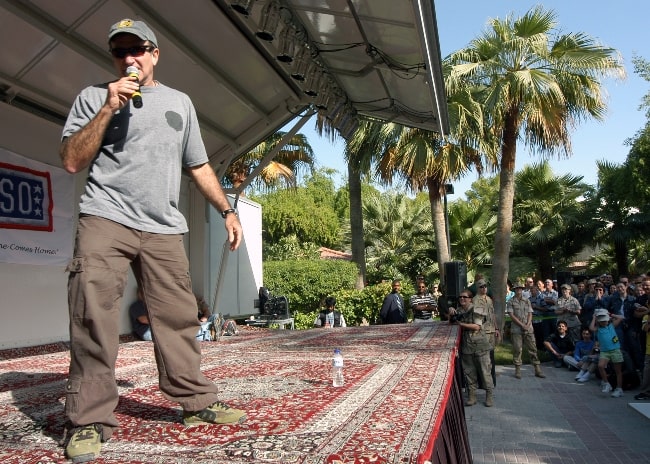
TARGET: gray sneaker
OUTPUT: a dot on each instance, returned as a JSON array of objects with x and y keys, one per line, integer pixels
[
  {"x": 217, "y": 413},
  {"x": 85, "y": 444},
  {"x": 617, "y": 393}
]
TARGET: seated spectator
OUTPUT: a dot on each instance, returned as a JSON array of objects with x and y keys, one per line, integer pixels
[
  {"x": 583, "y": 349},
  {"x": 559, "y": 344},
  {"x": 423, "y": 303},
  {"x": 140, "y": 318},
  {"x": 330, "y": 317},
  {"x": 142, "y": 328}
]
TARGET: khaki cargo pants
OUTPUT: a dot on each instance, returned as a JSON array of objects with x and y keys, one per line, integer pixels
[{"x": 104, "y": 250}]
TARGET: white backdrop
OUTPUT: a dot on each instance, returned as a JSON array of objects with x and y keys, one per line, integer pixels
[{"x": 36, "y": 211}]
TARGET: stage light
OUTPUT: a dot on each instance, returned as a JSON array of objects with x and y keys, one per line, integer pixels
[
  {"x": 312, "y": 81},
  {"x": 287, "y": 44},
  {"x": 242, "y": 7},
  {"x": 301, "y": 62},
  {"x": 325, "y": 94},
  {"x": 270, "y": 21}
]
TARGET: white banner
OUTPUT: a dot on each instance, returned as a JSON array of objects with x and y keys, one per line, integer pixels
[{"x": 36, "y": 212}]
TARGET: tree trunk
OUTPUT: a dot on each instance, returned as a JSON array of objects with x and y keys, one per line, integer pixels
[
  {"x": 356, "y": 225},
  {"x": 544, "y": 263},
  {"x": 436, "y": 191},
  {"x": 620, "y": 257},
  {"x": 502, "y": 236}
]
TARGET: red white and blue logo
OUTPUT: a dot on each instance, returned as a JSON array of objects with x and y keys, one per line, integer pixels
[{"x": 25, "y": 198}]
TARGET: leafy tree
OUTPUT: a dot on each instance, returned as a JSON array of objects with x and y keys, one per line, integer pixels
[
  {"x": 296, "y": 212},
  {"x": 620, "y": 222},
  {"x": 471, "y": 229},
  {"x": 396, "y": 233},
  {"x": 546, "y": 208},
  {"x": 531, "y": 87},
  {"x": 290, "y": 248}
]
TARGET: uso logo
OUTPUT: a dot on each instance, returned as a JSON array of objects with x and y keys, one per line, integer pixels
[{"x": 25, "y": 198}]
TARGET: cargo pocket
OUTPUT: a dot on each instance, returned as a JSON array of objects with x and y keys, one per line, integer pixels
[
  {"x": 72, "y": 389},
  {"x": 76, "y": 265}
]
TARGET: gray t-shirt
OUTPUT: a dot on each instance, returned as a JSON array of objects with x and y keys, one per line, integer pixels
[{"x": 136, "y": 176}]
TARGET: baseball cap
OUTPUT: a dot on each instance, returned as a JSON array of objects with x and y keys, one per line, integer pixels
[
  {"x": 480, "y": 282},
  {"x": 137, "y": 28},
  {"x": 602, "y": 317},
  {"x": 519, "y": 284}
]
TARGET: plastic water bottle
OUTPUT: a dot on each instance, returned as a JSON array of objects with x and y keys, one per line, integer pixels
[{"x": 337, "y": 369}]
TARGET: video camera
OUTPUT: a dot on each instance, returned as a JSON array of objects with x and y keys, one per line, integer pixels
[
  {"x": 458, "y": 317},
  {"x": 273, "y": 307}
]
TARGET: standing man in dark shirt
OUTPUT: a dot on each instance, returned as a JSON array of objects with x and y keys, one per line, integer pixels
[
  {"x": 393, "y": 310},
  {"x": 423, "y": 303}
]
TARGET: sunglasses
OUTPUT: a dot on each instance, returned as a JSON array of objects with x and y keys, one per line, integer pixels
[
  {"x": 482, "y": 286},
  {"x": 133, "y": 51},
  {"x": 462, "y": 296}
]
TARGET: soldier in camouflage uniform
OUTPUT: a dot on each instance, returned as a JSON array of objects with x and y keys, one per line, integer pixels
[
  {"x": 521, "y": 330},
  {"x": 474, "y": 348},
  {"x": 484, "y": 306}
]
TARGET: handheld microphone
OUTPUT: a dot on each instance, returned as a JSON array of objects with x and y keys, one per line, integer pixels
[{"x": 132, "y": 71}]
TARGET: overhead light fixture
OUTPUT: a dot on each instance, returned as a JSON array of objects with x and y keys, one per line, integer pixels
[
  {"x": 313, "y": 80},
  {"x": 287, "y": 44},
  {"x": 242, "y": 7},
  {"x": 301, "y": 62},
  {"x": 270, "y": 21},
  {"x": 325, "y": 94}
]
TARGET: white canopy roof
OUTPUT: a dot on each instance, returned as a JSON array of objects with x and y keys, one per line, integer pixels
[{"x": 375, "y": 58}]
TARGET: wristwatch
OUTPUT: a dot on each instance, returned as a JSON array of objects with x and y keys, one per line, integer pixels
[{"x": 226, "y": 212}]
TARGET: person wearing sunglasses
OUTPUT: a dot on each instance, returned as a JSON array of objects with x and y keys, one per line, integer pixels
[
  {"x": 129, "y": 217},
  {"x": 474, "y": 348}
]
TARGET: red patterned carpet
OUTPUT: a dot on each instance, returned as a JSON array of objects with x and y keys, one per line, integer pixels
[{"x": 397, "y": 382}]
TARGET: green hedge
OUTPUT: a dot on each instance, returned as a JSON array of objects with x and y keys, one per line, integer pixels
[{"x": 306, "y": 283}]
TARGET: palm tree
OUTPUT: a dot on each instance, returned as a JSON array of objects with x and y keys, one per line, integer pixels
[
  {"x": 472, "y": 227},
  {"x": 395, "y": 233},
  {"x": 546, "y": 207},
  {"x": 293, "y": 159},
  {"x": 621, "y": 220},
  {"x": 532, "y": 87}
]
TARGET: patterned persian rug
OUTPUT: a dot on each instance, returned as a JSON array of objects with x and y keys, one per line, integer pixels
[{"x": 397, "y": 380}]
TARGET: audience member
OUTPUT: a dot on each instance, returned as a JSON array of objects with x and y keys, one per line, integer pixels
[
  {"x": 423, "y": 304},
  {"x": 568, "y": 309},
  {"x": 581, "y": 293},
  {"x": 393, "y": 310},
  {"x": 330, "y": 317},
  {"x": 521, "y": 330},
  {"x": 610, "y": 349},
  {"x": 593, "y": 301},
  {"x": 629, "y": 330},
  {"x": 549, "y": 294},
  {"x": 474, "y": 348},
  {"x": 645, "y": 384},
  {"x": 559, "y": 344},
  {"x": 530, "y": 283},
  {"x": 581, "y": 360}
]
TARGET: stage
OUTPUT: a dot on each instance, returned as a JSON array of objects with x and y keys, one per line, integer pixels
[{"x": 401, "y": 403}]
